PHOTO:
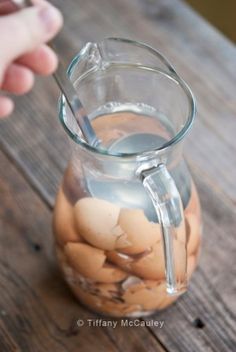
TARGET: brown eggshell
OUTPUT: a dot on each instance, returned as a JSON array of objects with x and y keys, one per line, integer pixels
[
  {"x": 103, "y": 304},
  {"x": 140, "y": 232},
  {"x": 109, "y": 274},
  {"x": 132, "y": 308},
  {"x": 168, "y": 300},
  {"x": 60, "y": 254},
  {"x": 63, "y": 221},
  {"x": 85, "y": 259},
  {"x": 119, "y": 309},
  {"x": 107, "y": 290},
  {"x": 193, "y": 205},
  {"x": 120, "y": 259},
  {"x": 96, "y": 221},
  {"x": 65, "y": 268},
  {"x": 180, "y": 231},
  {"x": 152, "y": 266},
  {"x": 89, "y": 262},
  {"x": 91, "y": 300},
  {"x": 193, "y": 233},
  {"x": 148, "y": 298},
  {"x": 191, "y": 265}
]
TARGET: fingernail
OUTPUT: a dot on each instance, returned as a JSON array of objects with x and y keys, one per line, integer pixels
[{"x": 51, "y": 18}]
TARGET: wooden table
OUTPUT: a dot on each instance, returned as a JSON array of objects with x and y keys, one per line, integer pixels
[{"x": 37, "y": 311}]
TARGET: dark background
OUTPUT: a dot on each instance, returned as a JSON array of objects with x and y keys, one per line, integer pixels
[{"x": 220, "y": 13}]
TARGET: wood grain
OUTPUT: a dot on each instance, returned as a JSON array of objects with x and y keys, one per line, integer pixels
[
  {"x": 212, "y": 81},
  {"x": 7, "y": 343},
  {"x": 204, "y": 319},
  {"x": 37, "y": 311},
  {"x": 212, "y": 290}
]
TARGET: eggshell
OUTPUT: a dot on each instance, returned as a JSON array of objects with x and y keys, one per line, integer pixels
[
  {"x": 132, "y": 282},
  {"x": 132, "y": 308},
  {"x": 152, "y": 266},
  {"x": 193, "y": 233},
  {"x": 63, "y": 221},
  {"x": 191, "y": 265},
  {"x": 140, "y": 232},
  {"x": 107, "y": 290},
  {"x": 180, "y": 261},
  {"x": 91, "y": 300},
  {"x": 193, "y": 205},
  {"x": 66, "y": 269},
  {"x": 60, "y": 254},
  {"x": 103, "y": 305},
  {"x": 148, "y": 298},
  {"x": 89, "y": 262},
  {"x": 180, "y": 231},
  {"x": 120, "y": 259},
  {"x": 110, "y": 274},
  {"x": 119, "y": 309},
  {"x": 168, "y": 300},
  {"x": 153, "y": 283},
  {"x": 85, "y": 259},
  {"x": 96, "y": 221}
]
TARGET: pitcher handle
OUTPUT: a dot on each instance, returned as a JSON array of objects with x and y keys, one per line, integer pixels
[{"x": 167, "y": 202}]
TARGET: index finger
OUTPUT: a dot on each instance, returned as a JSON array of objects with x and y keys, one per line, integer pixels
[{"x": 6, "y": 7}]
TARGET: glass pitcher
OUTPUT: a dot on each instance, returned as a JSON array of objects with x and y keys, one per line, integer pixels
[{"x": 127, "y": 217}]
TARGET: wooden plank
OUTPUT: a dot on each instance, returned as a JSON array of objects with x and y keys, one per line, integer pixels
[
  {"x": 198, "y": 53},
  {"x": 215, "y": 123},
  {"x": 6, "y": 341},
  {"x": 171, "y": 27},
  {"x": 38, "y": 313},
  {"x": 210, "y": 299}
]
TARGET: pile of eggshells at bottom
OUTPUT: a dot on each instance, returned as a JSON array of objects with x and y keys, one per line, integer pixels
[{"x": 112, "y": 257}]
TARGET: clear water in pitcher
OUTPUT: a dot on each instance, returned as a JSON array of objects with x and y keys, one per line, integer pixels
[{"x": 132, "y": 128}]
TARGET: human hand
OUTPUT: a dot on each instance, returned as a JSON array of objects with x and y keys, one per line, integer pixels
[{"x": 23, "y": 51}]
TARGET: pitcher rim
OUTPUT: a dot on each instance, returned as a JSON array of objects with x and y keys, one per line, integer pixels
[{"x": 172, "y": 75}]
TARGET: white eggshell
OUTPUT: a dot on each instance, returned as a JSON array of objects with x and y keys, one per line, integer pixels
[
  {"x": 96, "y": 221},
  {"x": 141, "y": 233},
  {"x": 132, "y": 282},
  {"x": 63, "y": 221}
]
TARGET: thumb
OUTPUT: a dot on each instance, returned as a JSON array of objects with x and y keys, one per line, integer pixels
[{"x": 25, "y": 30}]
